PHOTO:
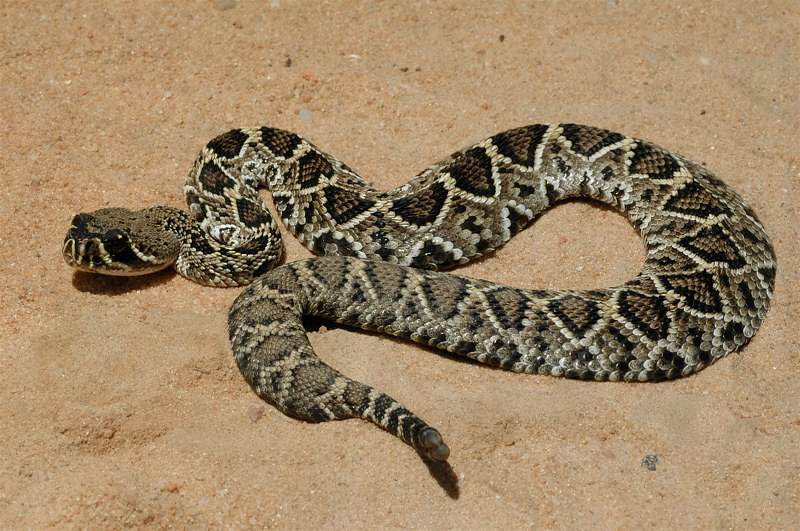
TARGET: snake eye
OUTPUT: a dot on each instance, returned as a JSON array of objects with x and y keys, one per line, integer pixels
[
  {"x": 115, "y": 241},
  {"x": 81, "y": 219}
]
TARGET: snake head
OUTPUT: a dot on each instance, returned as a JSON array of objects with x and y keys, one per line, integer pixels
[{"x": 121, "y": 242}]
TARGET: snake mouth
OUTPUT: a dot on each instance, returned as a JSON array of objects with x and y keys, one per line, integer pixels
[
  {"x": 92, "y": 256},
  {"x": 87, "y": 255}
]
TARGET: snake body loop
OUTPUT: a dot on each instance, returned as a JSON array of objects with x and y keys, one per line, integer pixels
[{"x": 702, "y": 293}]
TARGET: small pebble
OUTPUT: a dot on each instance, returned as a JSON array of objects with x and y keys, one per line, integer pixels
[
  {"x": 502, "y": 37},
  {"x": 170, "y": 486},
  {"x": 323, "y": 329},
  {"x": 650, "y": 461},
  {"x": 255, "y": 411},
  {"x": 288, "y": 62},
  {"x": 305, "y": 115},
  {"x": 224, "y": 5},
  {"x": 310, "y": 76}
]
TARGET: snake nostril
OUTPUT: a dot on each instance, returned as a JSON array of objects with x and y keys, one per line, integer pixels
[{"x": 92, "y": 247}]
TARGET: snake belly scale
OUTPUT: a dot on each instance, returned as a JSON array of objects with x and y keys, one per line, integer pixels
[{"x": 702, "y": 293}]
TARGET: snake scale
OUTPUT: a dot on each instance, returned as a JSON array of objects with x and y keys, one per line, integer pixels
[{"x": 702, "y": 293}]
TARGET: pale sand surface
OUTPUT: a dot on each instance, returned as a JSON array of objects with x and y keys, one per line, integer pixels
[{"x": 120, "y": 403}]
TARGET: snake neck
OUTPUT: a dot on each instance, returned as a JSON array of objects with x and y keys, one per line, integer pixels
[
  {"x": 214, "y": 254},
  {"x": 231, "y": 238}
]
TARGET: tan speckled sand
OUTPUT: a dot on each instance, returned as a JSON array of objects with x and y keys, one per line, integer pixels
[{"x": 120, "y": 403}]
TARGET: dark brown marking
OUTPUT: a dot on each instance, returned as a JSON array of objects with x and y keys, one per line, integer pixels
[
  {"x": 443, "y": 294},
  {"x": 250, "y": 213},
  {"x": 213, "y": 179},
  {"x": 712, "y": 244},
  {"x": 694, "y": 200},
  {"x": 344, "y": 205},
  {"x": 281, "y": 143},
  {"x": 577, "y": 313},
  {"x": 653, "y": 162},
  {"x": 228, "y": 144},
  {"x": 520, "y": 144},
  {"x": 587, "y": 140},
  {"x": 697, "y": 289},
  {"x": 509, "y": 305},
  {"x": 422, "y": 207},
  {"x": 648, "y": 313},
  {"x": 472, "y": 171},
  {"x": 311, "y": 167}
]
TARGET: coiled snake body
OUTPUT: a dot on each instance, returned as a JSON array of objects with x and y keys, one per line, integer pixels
[{"x": 703, "y": 291}]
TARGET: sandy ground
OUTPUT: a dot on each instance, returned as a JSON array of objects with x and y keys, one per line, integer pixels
[{"x": 120, "y": 403}]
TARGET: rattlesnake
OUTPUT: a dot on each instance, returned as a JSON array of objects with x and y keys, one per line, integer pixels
[{"x": 703, "y": 291}]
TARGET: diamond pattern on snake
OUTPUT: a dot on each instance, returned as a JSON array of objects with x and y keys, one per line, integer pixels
[{"x": 702, "y": 293}]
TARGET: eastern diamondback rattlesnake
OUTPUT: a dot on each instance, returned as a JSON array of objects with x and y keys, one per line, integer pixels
[{"x": 703, "y": 291}]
